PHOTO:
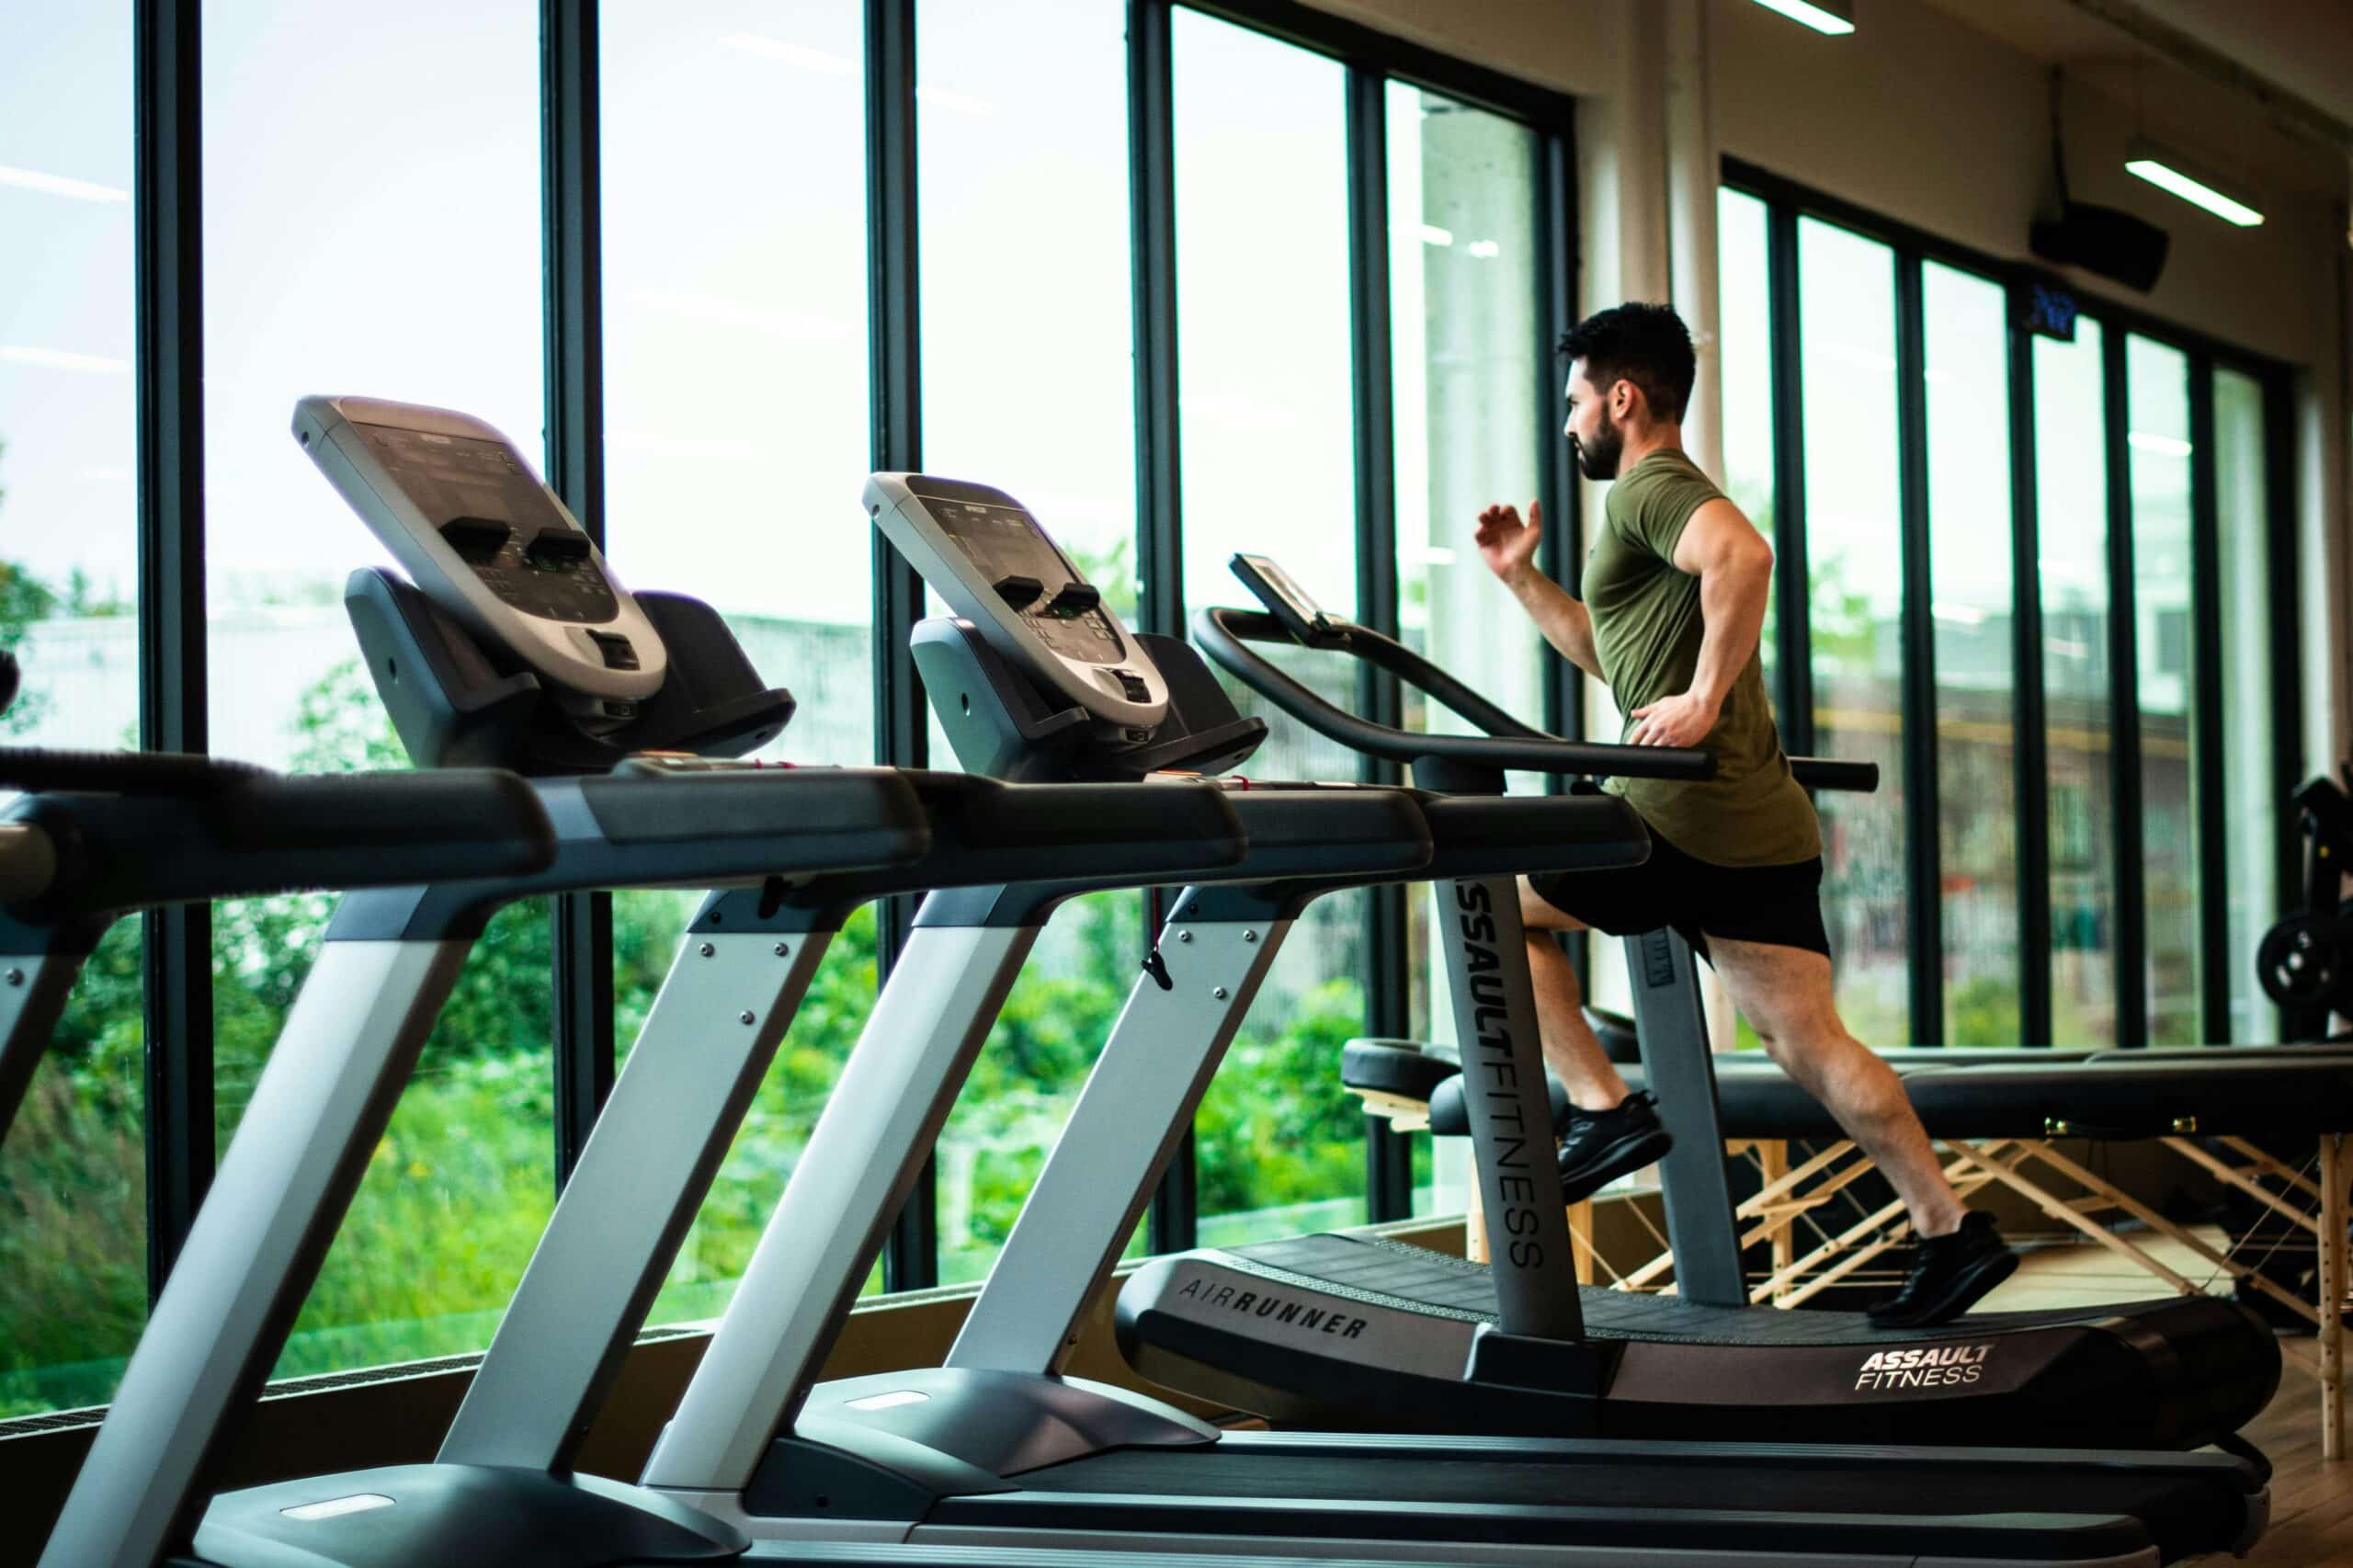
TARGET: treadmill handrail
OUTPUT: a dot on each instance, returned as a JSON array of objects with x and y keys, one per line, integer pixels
[
  {"x": 195, "y": 829},
  {"x": 1225, "y": 633}
]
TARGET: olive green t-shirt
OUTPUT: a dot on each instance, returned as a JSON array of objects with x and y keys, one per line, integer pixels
[{"x": 1647, "y": 631}]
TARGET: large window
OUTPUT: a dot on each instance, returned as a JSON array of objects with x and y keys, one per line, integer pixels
[
  {"x": 1854, "y": 580},
  {"x": 2165, "y": 654},
  {"x": 1027, "y": 385},
  {"x": 2045, "y": 643},
  {"x": 419, "y": 280},
  {"x": 735, "y": 444},
  {"x": 1744, "y": 371},
  {"x": 1473, "y": 404},
  {"x": 2071, "y": 507},
  {"x": 1262, "y": 271},
  {"x": 73, "y": 1203},
  {"x": 1967, "y": 378},
  {"x": 2251, "y": 806}
]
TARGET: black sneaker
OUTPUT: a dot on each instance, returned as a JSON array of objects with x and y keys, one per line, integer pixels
[
  {"x": 1602, "y": 1145},
  {"x": 1950, "y": 1275}
]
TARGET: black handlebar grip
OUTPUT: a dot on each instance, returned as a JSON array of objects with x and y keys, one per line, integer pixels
[
  {"x": 121, "y": 772},
  {"x": 265, "y": 835},
  {"x": 1836, "y": 773}
]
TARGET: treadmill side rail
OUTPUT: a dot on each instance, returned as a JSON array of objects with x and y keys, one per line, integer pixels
[
  {"x": 707, "y": 1043},
  {"x": 1100, "y": 1176},
  {"x": 869, "y": 1144},
  {"x": 321, "y": 1103}
]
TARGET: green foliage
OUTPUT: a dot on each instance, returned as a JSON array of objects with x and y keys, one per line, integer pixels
[
  {"x": 1274, "y": 1127},
  {"x": 1984, "y": 1011},
  {"x": 457, "y": 1191},
  {"x": 1841, "y": 627}
]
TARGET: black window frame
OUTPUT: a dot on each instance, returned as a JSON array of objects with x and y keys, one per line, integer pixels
[
  {"x": 1787, "y": 201},
  {"x": 174, "y": 696}
]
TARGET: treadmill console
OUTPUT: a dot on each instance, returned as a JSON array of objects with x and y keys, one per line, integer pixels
[
  {"x": 983, "y": 553},
  {"x": 464, "y": 514},
  {"x": 1301, "y": 616}
]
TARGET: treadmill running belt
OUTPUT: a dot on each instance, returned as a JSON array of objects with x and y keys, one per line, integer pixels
[
  {"x": 2181, "y": 1517},
  {"x": 1390, "y": 1274}
]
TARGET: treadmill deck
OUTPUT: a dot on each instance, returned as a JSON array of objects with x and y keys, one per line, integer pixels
[{"x": 1410, "y": 1278}]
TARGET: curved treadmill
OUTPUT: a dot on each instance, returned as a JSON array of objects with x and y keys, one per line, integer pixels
[{"x": 2169, "y": 1373}]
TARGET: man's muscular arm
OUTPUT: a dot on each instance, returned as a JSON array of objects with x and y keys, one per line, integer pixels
[
  {"x": 1734, "y": 566},
  {"x": 1508, "y": 547}
]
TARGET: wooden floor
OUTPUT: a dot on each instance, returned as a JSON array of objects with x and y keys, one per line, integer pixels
[{"x": 2311, "y": 1499}]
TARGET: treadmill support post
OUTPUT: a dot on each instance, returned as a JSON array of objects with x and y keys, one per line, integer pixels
[
  {"x": 320, "y": 1104},
  {"x": 870, "y": 1146},
  {"x": 642, "y": 1177},
  {"x": 1163, "y": 1051},
  {"x": 1673, "y": 1029},
  {"x": 1529, "y": 1255}
]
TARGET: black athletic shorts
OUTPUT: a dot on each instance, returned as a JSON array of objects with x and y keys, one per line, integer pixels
[{"x": 1780, "y": 904}]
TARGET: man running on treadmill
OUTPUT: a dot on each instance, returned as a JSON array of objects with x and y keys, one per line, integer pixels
[{"x": 1676, "y": 586}]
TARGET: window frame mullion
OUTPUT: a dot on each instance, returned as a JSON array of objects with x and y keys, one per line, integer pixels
[
  {"x": 2029, "y": 700},
  {"x": 2206, "y": 707},
  {"x": 580, "y": 923},
  {"x": 175, "y": 952},
  {"x": 1923, "y": 811},
  {"x": 894, "y": 347},
  {"x": 2130, "y": 947}
]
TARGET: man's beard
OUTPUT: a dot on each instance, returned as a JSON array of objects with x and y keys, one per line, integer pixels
[{"x": 1600, "y": 460}]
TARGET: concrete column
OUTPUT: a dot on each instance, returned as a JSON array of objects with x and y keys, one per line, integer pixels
[{"x": 1693, "y": 161}]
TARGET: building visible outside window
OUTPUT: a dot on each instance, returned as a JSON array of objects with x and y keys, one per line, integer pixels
[{"x": 1971, "y": 608}]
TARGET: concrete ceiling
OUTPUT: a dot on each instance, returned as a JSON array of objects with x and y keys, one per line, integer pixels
[{"x": 2302, "y": 49}]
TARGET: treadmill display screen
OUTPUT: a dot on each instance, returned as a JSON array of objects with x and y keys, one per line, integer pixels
[
  {"x": 491, "y": 510},
  {"x": 1031, "y": 577}
]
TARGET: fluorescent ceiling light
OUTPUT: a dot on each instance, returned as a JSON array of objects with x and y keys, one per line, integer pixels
[
  {"x": 58, "y": 184},
  {"x": 1835, "y": 18},
  {"x": 2162, "y": 446},
  {"x": 768, "y": 47},
  {"x": 1434, "y": 235},
  {"x": 1485, "y": 250},
  {"x": 60, "y": 359},
  {"x": 1960, "y": 615},
  {"x": 2167, "y": 172}
]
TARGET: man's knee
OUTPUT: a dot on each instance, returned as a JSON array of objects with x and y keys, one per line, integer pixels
[{"x": 1537, "y": 914}]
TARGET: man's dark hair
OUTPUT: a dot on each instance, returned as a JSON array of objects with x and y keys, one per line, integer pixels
[{"x": 1647, "y": 344}]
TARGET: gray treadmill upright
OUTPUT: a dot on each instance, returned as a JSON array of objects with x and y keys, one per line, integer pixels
[
  {"x": 389, "y": 958},
  {"x": 502, "y": 1485}
]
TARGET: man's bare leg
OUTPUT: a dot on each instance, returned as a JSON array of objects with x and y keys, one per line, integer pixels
[
  {"x": 1785, "y": 994},
  {"x": 1571, "y": 1051}
]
